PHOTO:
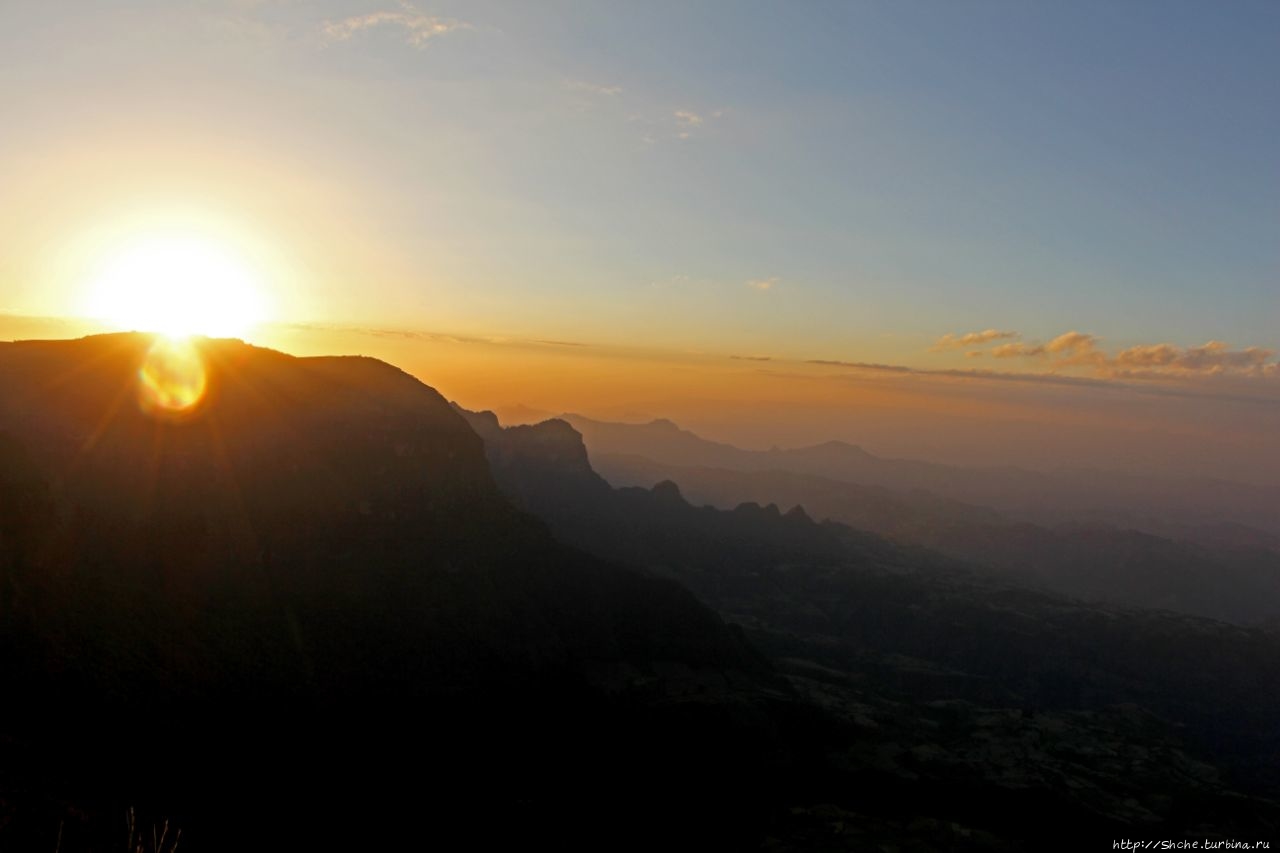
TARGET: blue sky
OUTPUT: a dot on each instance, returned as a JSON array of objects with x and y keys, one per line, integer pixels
[{"x": 827, "y": 180}]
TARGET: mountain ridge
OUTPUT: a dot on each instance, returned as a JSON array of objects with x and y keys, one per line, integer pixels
[
  {"x": 1136, "y": 501},
  {"x": 317, "y": 567}
]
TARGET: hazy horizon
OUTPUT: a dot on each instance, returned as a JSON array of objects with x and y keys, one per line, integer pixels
[
  {"x": 984, "y": 235},
  {"x": 969, "y": 419}
]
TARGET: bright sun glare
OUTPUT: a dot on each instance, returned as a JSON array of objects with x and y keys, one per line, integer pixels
[{"x": 177, "y": 286}]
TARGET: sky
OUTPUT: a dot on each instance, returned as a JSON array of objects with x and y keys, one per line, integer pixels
[{"x": 1060, "y": 211}]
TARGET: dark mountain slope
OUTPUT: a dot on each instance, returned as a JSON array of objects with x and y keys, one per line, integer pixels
[
  {"x": 972, "y": 700},
  {"x": 316, "y": 571}
]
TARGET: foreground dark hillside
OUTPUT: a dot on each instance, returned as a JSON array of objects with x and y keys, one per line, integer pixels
[
  {"x": 972, "y": 701},
  {"x": 313, "y": 588}
]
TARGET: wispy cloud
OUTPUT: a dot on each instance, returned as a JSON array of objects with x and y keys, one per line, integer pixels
[
  {"x": 592, "y": 88},
  {"x": 678, "y": 280},
  {"x": 1072, "y": 343},
  {"x": 763, "y": 284},
  {"x": 677, "y": 124},
  {"x": 951, "y": 341},
  {"x": 416, "y": 28},
  {"x": 1209, "y": 371},
  {"x": 687, "y": 121},
  {"x": 1212, "y": 358},
  {"x": 1149, "y": 355},
  {"x": 1018, "y": 350},
  {"x": 1253, "y": 393},
  {"x": 552, "y": 343},
  {"x": 1144, "y": 361},
  {"x": 1074, "y": 347},
  {"x": 653, "y": 127},
  {"x": 431, "y": 337},
  {"x": 869, "y": 365}
]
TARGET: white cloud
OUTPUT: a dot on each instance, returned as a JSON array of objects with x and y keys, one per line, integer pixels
[
  {"x": 1069, "y": 348},
  {"x": 763, "y": 284},
  {"x": 1144, "y": 361},
  {"x": 1017, "y": 350},
  {"x": 679, "y": 280},
  {"x": 592, "y": 88},
  {"x": 952, "y": 341},
  {"x": 1212, "y": 358},
  {"x": 1072, "y": 343},
  {"x": 675, "y": 124},
  {"x": 416, "y": 28}
]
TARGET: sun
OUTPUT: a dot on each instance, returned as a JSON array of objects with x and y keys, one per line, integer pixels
[{"x": 177, "y": 286}]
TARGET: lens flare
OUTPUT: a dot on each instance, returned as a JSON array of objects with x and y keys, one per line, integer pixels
[{"x": 172, "y": 380}]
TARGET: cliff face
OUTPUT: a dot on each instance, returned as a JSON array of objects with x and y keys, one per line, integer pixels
[
  {"x": 544, "y": 469},
  {"x": 536, "y": 459},
  {"x": 319, "y": 547}
]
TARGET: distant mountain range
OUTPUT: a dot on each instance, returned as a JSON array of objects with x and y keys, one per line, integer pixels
[
  {"x": 1090, "y": 560},
  {"x": 1216, "y": 511},
  {"x": 1219, "y": 568},
  {"x": 957, "y": 679}
]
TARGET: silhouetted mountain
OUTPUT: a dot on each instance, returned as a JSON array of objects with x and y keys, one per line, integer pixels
[
  {"x": 874, "y": 508},
  {"x": 544, "y": 469},
  {"x": 966, "y": 699},
  {"x": 1196, "y": 506},
  {"x": 1239, "y": 582},
  {"x": 317, "y": 586},
  {"x": 313, "y": 577}
]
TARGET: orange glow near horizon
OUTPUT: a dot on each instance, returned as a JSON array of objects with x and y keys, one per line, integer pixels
[{"x": 172, "y": 380}]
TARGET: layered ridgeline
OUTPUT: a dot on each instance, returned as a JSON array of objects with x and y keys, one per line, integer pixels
[
  {"x": 305, "y": 614},
  {"x": 309, "y": 578},
  {"x": 1200, "y": 509},
  {"x": 1180, "y": 545},
  {"x": 972, "y": 701}
]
